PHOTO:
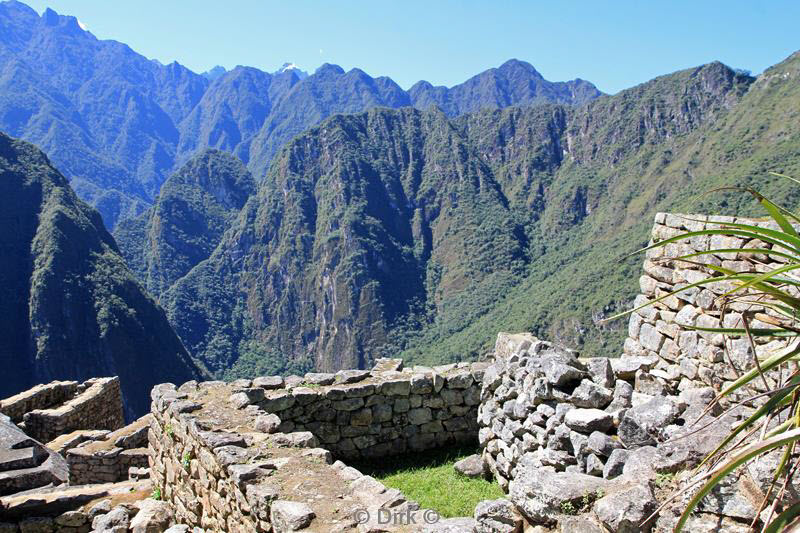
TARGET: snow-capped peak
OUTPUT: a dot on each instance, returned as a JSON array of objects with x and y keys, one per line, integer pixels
[{"x": 291, "y": 67}]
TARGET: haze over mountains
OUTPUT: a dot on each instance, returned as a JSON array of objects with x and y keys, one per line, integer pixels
[
  {"x": 286, "y": 223},
  {"x": 117, "y": 124}
]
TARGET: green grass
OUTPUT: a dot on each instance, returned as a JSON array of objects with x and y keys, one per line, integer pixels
[{"x": 429, "y": 478}]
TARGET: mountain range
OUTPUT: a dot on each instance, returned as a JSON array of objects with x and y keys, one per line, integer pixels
[
  {"x": 409, "y": 232},
  {"x": 118, "y": 124},
  {"x": 284, "y": 224}
]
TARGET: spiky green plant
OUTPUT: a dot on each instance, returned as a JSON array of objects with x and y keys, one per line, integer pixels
[{"x": 772, "y": 286}]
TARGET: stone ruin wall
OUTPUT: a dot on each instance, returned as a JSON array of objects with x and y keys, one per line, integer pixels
[
  {"x": 94, "y": 404},
  {"x": 364, "y": 415},
  {"x": 271, "y": 473},
  {"x": 686, "y": 358},
  {"x": 111, "y": 458},
  {"x": 84, "y": 463},
  {"x": 549, "y": 418},
  {"x": 528, "y": 392},
  {"x": 42, "y": 396},
  {"x": 557, "y": 431}
]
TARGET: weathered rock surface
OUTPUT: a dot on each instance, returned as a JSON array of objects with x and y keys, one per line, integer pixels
[
  {"x": 290, "y": 516},
  {"x": 626, "y": 507},
  {"x": 497, "y": 516},
  {"x": 542, "y": 494},
  {"x": 472, "y": 466}
]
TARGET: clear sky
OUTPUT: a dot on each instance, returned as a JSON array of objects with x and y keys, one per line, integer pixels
[{"x": 614, "y": 44}]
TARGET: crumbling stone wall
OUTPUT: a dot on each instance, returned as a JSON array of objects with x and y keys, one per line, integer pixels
[
  {"x": 367, "y": 414},
  {"x": 684, "y": 357},
  {"x": 42, "y": 396},
  {"x": 110, "y": 459},
  {"x": 24, "y": 463},
  {"x": 565, "y": 436},
  {"x": 225, "y": 467},
  {"x": 71, "y": 509},
  {"x": 539, "y": 401},
  {"x": 97, "y": 405}
]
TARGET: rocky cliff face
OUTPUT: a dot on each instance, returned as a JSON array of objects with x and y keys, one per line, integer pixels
[{"x": 71, "y": 308}]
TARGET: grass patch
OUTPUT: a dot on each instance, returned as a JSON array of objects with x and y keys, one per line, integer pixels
[{"x": 429, "y": 478}]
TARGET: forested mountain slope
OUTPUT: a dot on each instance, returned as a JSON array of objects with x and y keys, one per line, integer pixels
[
  {"x": 195, "y": 207},
  {"x": 403, "y": 232},
  {"x": 71, "y": 309}
]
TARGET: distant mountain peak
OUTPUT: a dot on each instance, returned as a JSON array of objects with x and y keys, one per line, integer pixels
[
  {"x": 292, "y": 67},
  {"x": 327, "y": 69},
  {"x": 214, "y": 73},
  {"x": 516, "y": 64},
  {"x": 515, "y": 82},
  {"x": 170, "y": 112},
  {"x": 50, "y": 17},
  {"x": 72, "y": 24}
]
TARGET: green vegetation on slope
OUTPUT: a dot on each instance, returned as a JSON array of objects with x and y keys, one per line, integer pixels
[
  {"x": 367, "y": 223},
  {"x": 430, "y": 479},
  {"x": 194, "y": 208},
  {"x": 585, "y": 273},
  {"x": 70, "y": 308},
  {"x": 399, "y": 232}
]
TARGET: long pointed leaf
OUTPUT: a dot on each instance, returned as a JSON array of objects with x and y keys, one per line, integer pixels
[
  {"x": 700, "y": 283},
  {"x": 768, "y": 364},
  {"x": 774, "y": 402},
  {"x": 772, "y": 234},
  {"x": 750, "y": 452},
  {"x": 776, "y": 214},
  {"x": 766, "y": 276},
  {"x": 753, "y": 251},
  {"x": 784, "y": 519},
  {"x": 761, "y": 235},
  {"x": 742, "y": 331}
]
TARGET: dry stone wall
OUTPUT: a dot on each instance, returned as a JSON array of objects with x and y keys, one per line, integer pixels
[
  {"x": 541, "y": 403},
  {"x": 362, "y": 414},
  {"x": 572, "y": 436},
  {"x": 597, "y": 438},
  {"x": 686, "y": 358},
  {"x": 97, "y": 404},
  {"x": 110, "y": 459},
  {"x": 224, "y": 466},
  {"x": 81, "y": 509},
  {"x": 40, "y": 491},
  {"x": 42, "y": 396},
  {"x": 24, "y": 463}
]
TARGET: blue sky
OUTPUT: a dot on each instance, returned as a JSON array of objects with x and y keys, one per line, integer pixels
[{"x": 613, "y": 44}]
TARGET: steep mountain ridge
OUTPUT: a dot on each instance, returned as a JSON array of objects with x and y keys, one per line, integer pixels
[
  {"x": 195, "y": 207},
  {"x": 361, "y": 224},
  {"x": 118, "y": 124},
  {"x": 585, "y": 181},
  {"x": 583, "y": 274},
  {"x": 363, "y": 240},
  {"x": 514, "y": 82},
  {"x": 102, "y": 112},
  {"x": 71, "y": 308}
]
